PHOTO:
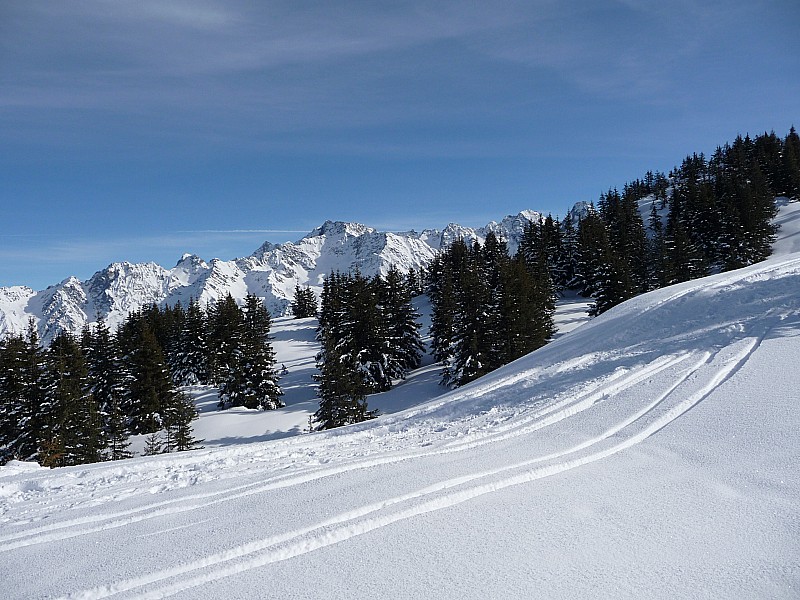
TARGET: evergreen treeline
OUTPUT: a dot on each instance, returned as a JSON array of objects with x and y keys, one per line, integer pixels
[
  {"x": 708, "y": 215},
  {"x": 488, "y": 308},
  {"x": 370, "y": 336},
  {"x": 79, "y": 400}
]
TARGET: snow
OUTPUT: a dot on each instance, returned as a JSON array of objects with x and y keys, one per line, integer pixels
[
  {"x": 296, "y": 349},
  {"x": 788, "y": 219},
  {"x": 271, "y": 272},
  {"x": 651, "y": 452},
  {"x": 571, "y": 312}
]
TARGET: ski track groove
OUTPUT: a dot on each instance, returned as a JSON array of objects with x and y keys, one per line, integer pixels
[
  {"x": 363, "y": 520},
  {"x": 558, "y": 412}
]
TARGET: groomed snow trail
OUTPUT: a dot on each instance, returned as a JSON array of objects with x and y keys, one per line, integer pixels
[{"x": 621, "y": 434}]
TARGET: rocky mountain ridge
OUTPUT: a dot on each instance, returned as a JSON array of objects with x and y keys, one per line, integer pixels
[{"x": 271, "y": 272}]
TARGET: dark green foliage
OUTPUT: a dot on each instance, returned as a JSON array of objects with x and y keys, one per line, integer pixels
[
  {"x": 594, "y": 254},
  {"x": 178, "y": 418},
  {"x": 402, "y": 341},
  {"x": 708, "y": 216},
  {"x": 226, "y": 338},
  {"x": 473, "y": 342},
  {"x": 72, "y": 428},
  {"x": 527, "y": 308},
  {"x": 153, "y": 445},
  {"x": 656, "y": 250},
  {"x": 747, "y": 204},
  {"x": 444, "y": 284},
  {"x": 489, "y": 309},
  {"x": 190, "y": 357},
  {"x": 341, "y": 391},
  {"x": 790, "y": 165},
  {"x": 108, "y": 380},
  {"x": 359, "y": 333},
  {"x": 370, "y": 337},
  {"x": 151, "y": 390},
  {"x": 250, "y": 377},
  {"x": 22, "y": 372},
  {"x": 552, "y": 243},
  {"x": 305, "y": 303}
]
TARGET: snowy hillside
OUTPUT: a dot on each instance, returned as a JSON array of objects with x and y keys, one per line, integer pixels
[
  {"x": 650, "y": 453},
  {"x": 271, "y": 272}
]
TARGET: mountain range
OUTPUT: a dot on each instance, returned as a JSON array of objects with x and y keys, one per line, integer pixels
[{"x": 271, "y": 272}]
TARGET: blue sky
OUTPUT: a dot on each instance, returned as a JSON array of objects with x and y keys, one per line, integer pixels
[{"x": 142, "y": 130}]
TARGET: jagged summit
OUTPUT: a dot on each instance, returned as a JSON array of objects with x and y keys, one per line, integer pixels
[
  {"x": 271, "y": 272},
  {"x": 341, "y": 228}
]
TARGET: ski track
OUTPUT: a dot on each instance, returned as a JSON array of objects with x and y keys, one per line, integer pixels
[
  {"x": 654, "y": 417},
  {"x": 623, "y": 379}
]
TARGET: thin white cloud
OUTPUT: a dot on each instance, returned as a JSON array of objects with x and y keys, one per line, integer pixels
[
  {"x": 68, "y": 250},
  {"x": 244, "y": 231}
]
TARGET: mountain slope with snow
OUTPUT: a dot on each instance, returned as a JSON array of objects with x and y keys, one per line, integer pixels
[
  {"x": 271, "y": 272},
  {"x": 651, "y": 452}
]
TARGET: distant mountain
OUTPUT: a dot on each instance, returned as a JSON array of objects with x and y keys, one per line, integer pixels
[{"x": 271, "y": 272}]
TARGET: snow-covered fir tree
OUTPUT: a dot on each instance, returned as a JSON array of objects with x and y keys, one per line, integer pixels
[
  {"x": 252, "y": 379},
  {"x": 22, "y": 382},
  {"x": 109, "y": 380},
  {"x": 72, "y": 430},
  {"x": 190, "y": 359},
  {"x": 304, "y": 303}
]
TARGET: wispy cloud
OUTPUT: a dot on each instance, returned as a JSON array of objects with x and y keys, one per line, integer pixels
[
  {"x": 244, "y": 231},
  {"x": 268, "y": 64},
  {"x": 78, "y": 249}
]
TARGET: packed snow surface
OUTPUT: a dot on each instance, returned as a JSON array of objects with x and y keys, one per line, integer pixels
[{"x": 650, "y": 453}]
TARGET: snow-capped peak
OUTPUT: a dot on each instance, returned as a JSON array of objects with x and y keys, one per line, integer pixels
[
  {"x": 341, "y": 228},
  {"x": 271, "y": 272}
]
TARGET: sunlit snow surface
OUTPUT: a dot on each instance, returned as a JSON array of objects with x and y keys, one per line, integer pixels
[{"x": 651, "y": 453}]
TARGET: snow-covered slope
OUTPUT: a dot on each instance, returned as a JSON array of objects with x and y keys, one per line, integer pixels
[
  {"x": 271, "y": 273},
  {"x": 651, "y": 452}
]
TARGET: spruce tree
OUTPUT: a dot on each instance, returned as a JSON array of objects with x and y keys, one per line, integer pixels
[
  {"x": 492, "y": 259},
  {"x": 151, "y": 388},
  {"x": 252, "y": 380},
  {"x": 568, "y": 255},
  {"x": 15, "y": 417},
  {"x": 178, "y": 418},
  {"x": 473, "y": 345},
  {"x": 593, "y": 251},
  {"x": 304, "y": 304},
  {"x": 790, "y": 168},
  {"x": 527, "y": 309},
  {"x": 443, "y": 314},
  {"x": 73, "y": 428},
  {"x": 153, "y": 445},
  {"x": 22, "y": 383},
  {"x": 344, "y": 360},
  {"x": 747, "y": 204},
  {"x": 190, "y": 364},
  {"x": 656, "y": 251},
  {"x": 108, "y": 379},
  {"x": 360, "y": 333},
  {"x": 403, "y": 341},
  {"x": 226, "y": 339},
  {"x": 341, "y": 391}
]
